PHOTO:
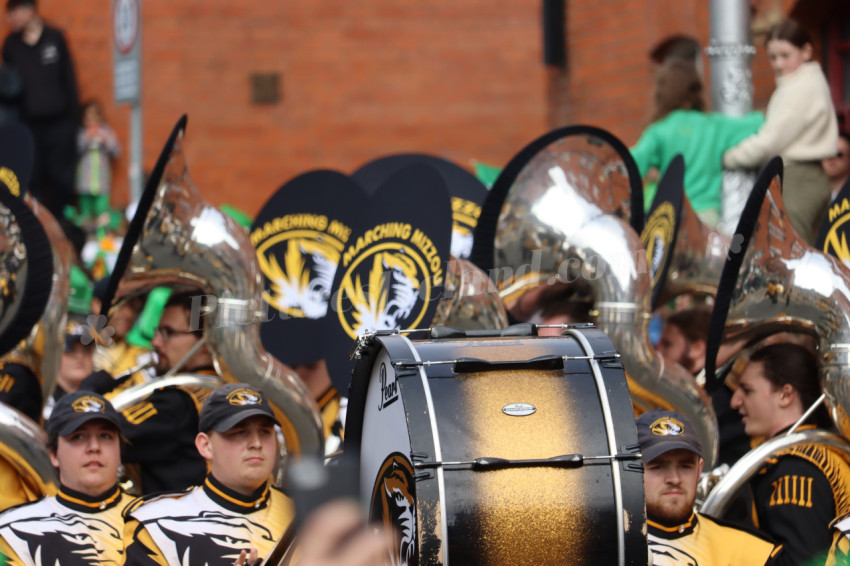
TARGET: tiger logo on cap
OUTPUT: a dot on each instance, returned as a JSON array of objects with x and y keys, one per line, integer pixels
[
  {"x": 244, "y": 396},
  {"x": 88, "y": 404},
  {"x": 667, "y": 426}
]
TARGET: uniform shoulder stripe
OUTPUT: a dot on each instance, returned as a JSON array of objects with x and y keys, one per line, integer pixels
[
  {"x": 151, "y": 497},
  {"x": 747, "y": 529},
  {"x": 835, "y": 469}
]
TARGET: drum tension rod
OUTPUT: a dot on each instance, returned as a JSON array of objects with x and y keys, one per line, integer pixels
[{"x": 564, "y": 461}]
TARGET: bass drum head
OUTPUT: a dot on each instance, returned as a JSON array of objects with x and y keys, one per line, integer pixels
[{"x": 418, "y": 428}]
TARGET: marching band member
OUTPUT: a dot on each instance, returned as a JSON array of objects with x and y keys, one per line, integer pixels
[
  {"x": 839, "y": 553},
  {"x": 114, "y": 355},
  {"x": 672, "y": 458},
  {"x": 76, "y": 363},
  {"x": 83, "y": 523},
  {"x": 162, "y": 428},
  {"x": 798, "y": 492},
  {"x": 235, "y": 509}
]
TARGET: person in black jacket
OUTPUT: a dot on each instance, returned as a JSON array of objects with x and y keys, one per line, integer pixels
[
  {"x": 49, "y": 102},
  {"x": 161, "y": 428},
  {"x": 799, "y": 490}
]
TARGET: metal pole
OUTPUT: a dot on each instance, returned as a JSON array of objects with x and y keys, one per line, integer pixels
[
  {"x": 729, "y": 52},
  {"x": 135, "y": 171}
]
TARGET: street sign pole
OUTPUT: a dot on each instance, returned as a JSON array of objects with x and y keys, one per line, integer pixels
[{"x": 126, "y": 50}]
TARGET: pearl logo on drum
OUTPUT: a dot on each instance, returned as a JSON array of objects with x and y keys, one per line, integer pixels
[
  {"x": 389, "y": 391},
  {"x": 519, "y": 409}
]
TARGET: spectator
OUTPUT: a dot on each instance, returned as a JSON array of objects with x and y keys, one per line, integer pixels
[
  {"x": 49, "y": 101},
  {"x": 680, "y": 125},
  {"x": 800, "y": 126},
  {"x": 98, "y": 146}
]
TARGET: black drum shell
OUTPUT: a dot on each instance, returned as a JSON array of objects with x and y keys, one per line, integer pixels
[{"x": 517, "y": 515}]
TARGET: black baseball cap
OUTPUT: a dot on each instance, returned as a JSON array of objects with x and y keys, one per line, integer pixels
[
  {"x": 77, "y": 332},
  {"x": 232, "y": 403},
  {"x": 662, "y": 431},
  {"x": 75, "y": 409}
]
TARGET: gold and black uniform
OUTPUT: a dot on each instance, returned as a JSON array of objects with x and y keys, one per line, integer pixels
[
  {"x": 796, "y": 495},
  {"x": 209, "y": 525},
  {"x": 839, "y": 554},
  {"x": 161, "y": 431},
  {"x": 703, "y": 541},
  {"x": 69, "y": 529},
  {"x": 20, "y": 388}
]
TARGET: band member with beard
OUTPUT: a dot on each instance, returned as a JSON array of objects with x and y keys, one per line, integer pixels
[
  {"x": 83, "y": 523},
  {"x": 162, "y": 428},
  {"x": 798, "y": 491},
  {"x": 672, "y": 458},
  {"x": 235, "y": 509}
]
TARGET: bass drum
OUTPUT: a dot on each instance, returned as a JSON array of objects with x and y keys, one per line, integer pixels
[{"x": 499, "y": 447}]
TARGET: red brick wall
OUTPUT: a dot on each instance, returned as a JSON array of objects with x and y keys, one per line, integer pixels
[{"x": 461, "y": 79}]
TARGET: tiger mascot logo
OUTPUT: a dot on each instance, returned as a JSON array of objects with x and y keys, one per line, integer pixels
[
  {"x": 394, "y": 506},
  {"x": 667, "y": 426},
  {"x": 383, "y": 286},
  {"x": 245, "y": 396},
  {"x": 88, "y": 404}
]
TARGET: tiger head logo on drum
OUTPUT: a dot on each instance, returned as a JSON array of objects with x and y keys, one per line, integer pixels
[{"x": 394, "y": 505}]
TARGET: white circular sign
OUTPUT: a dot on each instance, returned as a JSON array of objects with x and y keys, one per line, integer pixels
[{"x": 125, "y": 25}]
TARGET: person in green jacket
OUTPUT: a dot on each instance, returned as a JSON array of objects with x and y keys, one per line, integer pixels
[{"x": 681, "y": 125}]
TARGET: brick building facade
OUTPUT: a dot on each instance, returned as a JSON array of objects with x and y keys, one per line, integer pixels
[{"x": 461, "y": 79}]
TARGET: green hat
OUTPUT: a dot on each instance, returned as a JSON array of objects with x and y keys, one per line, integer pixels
[{"x": 79, "y": 300}]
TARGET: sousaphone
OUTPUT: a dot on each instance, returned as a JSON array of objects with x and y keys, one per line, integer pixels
[
  {"x": 564, "y": 217},
  {"x": 28, "y": 289},
  {"x": 177, "y": 239},
  {"x": 774, "y": 282},
  {"x": 686, "y": 256}
]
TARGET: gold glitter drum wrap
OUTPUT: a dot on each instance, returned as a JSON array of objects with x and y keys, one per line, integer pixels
[{"x": 499, "y": 449}]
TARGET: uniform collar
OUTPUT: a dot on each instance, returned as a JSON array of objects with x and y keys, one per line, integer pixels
[
  {"x": 89, "y": 503},
  {"x": 666, "y": 530},
  {"x": 234, "y": 501}
]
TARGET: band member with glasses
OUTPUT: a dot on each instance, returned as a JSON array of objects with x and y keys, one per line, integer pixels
[
  {"x": 83, "y": 523},
  {"x": 162, "y": 427}
]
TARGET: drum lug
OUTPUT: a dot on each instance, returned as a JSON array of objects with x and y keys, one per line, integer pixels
[
  {"x": 421, "y": 474},
  {"x": 635, "y": 465}
]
